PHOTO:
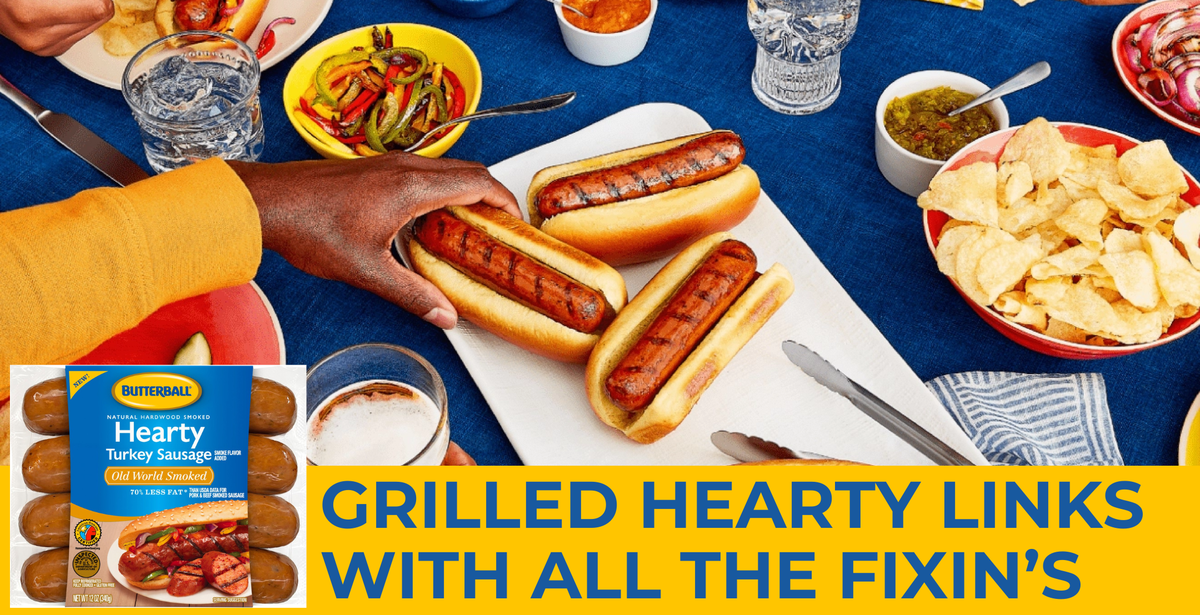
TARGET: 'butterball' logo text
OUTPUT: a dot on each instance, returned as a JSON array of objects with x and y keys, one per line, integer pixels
[{"x": 156, "y": 391}]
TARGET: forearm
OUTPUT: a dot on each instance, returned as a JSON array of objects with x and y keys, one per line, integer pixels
[{"x": 79, "y": 271}]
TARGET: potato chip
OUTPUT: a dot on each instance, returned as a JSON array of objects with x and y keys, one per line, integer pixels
[
  {"x": 951, "y": 241},
  {"x": 135, "y": 5},
  {"x": 1069, "y": 262},
  {"x": 1187, "y": 232},
  {"x": 1104, "y": 281},
  {"x": 1077, "y": 191},
  {"x": 1089, "y": 171},
  {"x": 1015, "y": 181},
  {"x": 1178, "y": 280},
  {"x": 966, "y": 262},
  {"x": 1082, "y": 221},
  {"x": 1042, "y": 147},
  {"x": 1186, "y": 311},
  {"x": 1133, "y": 326},
  {"x": 967, "y": 194},
  {"x": 1075, "y": 304},
  {"x": 1107, "y": 150},
  {"x": 1149, "y": 170},
  {"x": 1067, "y": 333},
  {"x": 1017, "y": 308},
  {"x": 1130, "y": 205},
  {"x": 120, "y": 41},
  {"x": 1003, "y": 266},
  {"x": 1133, "y": 272}
]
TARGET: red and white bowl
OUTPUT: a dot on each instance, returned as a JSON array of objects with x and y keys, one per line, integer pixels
[
  {"x": 1147, "y": 13},
  {"x": 989, "y": 149}
]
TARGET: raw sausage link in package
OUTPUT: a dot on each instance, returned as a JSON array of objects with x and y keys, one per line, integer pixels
[{"x": 156, "y": 486}]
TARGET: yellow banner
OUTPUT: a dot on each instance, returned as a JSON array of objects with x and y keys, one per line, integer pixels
[
  {"x": 155, "y": 475},
  {"x": 858, "y": 539}
]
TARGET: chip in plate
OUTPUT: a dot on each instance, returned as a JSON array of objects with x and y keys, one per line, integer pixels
[
  {"x": 1043, "y": 148},
  {"x": 1133, "y": 274},
  {"x": 1149, "y": 170},
  {"x": 1178, "y": 280},
  {"x": 967, "y": 194}
]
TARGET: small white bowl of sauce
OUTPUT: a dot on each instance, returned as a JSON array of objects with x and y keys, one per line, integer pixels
[{"x": 615, "y": 33}]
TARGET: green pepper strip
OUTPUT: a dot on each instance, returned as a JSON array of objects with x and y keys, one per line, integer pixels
[
  {"x": 439, "y": 98},
  {"x": 321, "y": 77},
  {"x": 391, "y": 113},
  {"x": 191, "y": 529},
  {"x": 413, "y": 102},
  {"x": 412, "y": 53},
  {"x": 158, "y": 535},
  {"x": 243, "y": 522},
  {"x": 153, "y": 575},
  {"x": 351, "y": 93},
  {"x": 372, "y": 129}
]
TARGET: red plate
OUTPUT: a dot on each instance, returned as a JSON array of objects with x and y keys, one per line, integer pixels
[
  {"x": 989, "y": 149},
  {"x": 239, "y": 323},
  {"x": 1148, "y": 13}
]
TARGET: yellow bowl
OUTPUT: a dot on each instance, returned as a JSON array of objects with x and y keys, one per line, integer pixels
[{"x": 439, "y": 45}]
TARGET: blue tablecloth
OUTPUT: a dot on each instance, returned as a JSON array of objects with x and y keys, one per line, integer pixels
[{"x": 819, "y": 169}]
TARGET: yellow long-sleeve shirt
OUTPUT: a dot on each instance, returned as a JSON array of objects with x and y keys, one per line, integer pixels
[{"x": 76, "y": 272}]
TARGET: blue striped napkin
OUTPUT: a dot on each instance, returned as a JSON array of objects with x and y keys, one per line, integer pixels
[{"x": 1032, "y": 419}]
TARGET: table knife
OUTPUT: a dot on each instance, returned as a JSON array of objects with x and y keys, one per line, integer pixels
[
  {"x": 882, "y": 412},
  {"x": 746, "y": 448},
  {"x": 75, "y": 137}
]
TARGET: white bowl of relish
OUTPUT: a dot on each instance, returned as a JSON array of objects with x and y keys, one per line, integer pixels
[{"x": 615, "y": 33}]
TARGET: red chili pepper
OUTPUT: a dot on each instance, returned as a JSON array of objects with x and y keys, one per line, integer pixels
[
  {"x": 460, "y": 95},
  {"x": 267, "y": 42},
  {"x": 392, "y": 71},
  {"x": 387, "y": 38},
  {"x": 351, "y": 140},
  {"x": 945, "y": 126}
]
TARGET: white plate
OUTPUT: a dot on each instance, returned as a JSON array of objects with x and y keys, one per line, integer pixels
[
  {"x": 542, "y": 406},
  {"x": 204, "y": 596},
  {"x": 89, "y": 60},
  {"x": 1189, "y": 425}
]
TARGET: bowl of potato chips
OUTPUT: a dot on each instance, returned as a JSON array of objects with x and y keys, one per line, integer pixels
[{"x": 1071, "y": 240}]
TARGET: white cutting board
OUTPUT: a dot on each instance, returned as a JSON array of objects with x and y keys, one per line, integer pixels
[{"x": 542, "y": 406}]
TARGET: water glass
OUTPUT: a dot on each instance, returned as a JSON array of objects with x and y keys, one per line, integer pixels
[
  {"x": 800, "y": 44},
  {"x": 194, "y": 96}
]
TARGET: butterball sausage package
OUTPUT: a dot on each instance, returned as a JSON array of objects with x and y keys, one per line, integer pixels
[{"x": 158, "y": 485}]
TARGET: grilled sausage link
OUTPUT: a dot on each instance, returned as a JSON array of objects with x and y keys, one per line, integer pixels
[
  {"x": 44, "y": 576},
  {"x": 197, "y": 14},
  {"x": 225, "y": 572},
  {"x": 150, "y": 557},
  {"x": 693, "y": 162},
  {"x": 511, "y": 273},
  {"x": 274, "y": 577},
  {"x": 47, "y": 465},
  {"x": 272, "y": 407},
  {"x": 46, "y": 521},
  {"x": 687, "y": 317}
]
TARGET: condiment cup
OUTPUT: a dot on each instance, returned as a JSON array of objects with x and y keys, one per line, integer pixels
[
  {"x": 606, "y": 49},
  {"x": 905, "y": 170}
]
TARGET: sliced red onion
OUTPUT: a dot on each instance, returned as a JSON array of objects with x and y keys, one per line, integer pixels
[
  {"x": 171, "y": 570},
  {"x": 1158, "y": 85},
  {"x": 1187, "y": 94},
  {"x": 141, "y": 539},
  {"x": 1133, "y": 56},
  {"x": 212, "y": 527},
  {"x": 275, "y": 22},
  {"x": 1173, "y": 28},
  {"x": 227, "y": 11},
  {"x": 1176, "y": 65}
]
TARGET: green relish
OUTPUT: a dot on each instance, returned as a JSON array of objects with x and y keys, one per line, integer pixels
[{"x": 920, "y": 122}]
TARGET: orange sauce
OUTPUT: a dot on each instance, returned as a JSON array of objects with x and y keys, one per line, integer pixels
[{"x": 608, "y": 16}]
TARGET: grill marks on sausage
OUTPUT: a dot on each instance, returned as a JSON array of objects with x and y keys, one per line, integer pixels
[
  {"x": 225, "y": 572},
  {"x": 512, "y": 273},
  {"x": 688, "y": 316},
  {"x": 152, "y": 556},
  {"x": 696, "y": 161}
]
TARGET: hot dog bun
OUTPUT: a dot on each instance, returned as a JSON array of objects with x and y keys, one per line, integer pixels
[
  {"x": 677, "y": 396},
  {"x": 648, "y": 227},
  {"x": 240, "y": 25},
  {"x": 509, "y": 319},
  {"x": 200, "y": 513}
]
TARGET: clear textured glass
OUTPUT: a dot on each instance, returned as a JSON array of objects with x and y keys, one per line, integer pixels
[
  {"x": 195, "y": 96},
  {"x": 800, "y": 44}
]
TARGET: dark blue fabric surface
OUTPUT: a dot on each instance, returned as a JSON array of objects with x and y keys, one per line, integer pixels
[{"x": 819, "y": 169}]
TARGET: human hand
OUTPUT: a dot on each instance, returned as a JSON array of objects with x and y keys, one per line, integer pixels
[
  {"x": 49, "y": 28},
  {"x": 456, "y": 456},
  {"x": 336, "y": 219}
]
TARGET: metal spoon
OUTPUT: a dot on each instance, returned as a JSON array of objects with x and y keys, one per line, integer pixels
[
  {"x": 1019, "y": 81},
  {"x": 569, "y": 8},
  {"x": 531, "y": 106}
]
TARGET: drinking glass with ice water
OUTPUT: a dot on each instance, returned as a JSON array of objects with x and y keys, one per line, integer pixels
[
  {"x": 800, "y": 44},
  {"x": 195, "y": 96}
]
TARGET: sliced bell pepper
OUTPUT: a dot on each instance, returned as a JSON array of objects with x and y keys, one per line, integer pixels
[
  {"x": 416, "y": 54},
  {"x": 363, "y": 150},
  {"x": 321, "y": 78},
  {"x": 318, "y": 133}
]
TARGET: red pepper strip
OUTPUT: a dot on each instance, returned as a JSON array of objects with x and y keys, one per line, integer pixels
[
  {"x": 357, "y": 108},
  {"x": 387, "y": 37},
  {"x": 325, "y": 124},
  {"x": 225, "y": 524},
  {"x": 352, "y": 140},
  {"x": 392, "y": 71},
  {"x": 460, "y": 95},
  {"x": 945, "y": 126},
  {"x": 267, "y": 42}
]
